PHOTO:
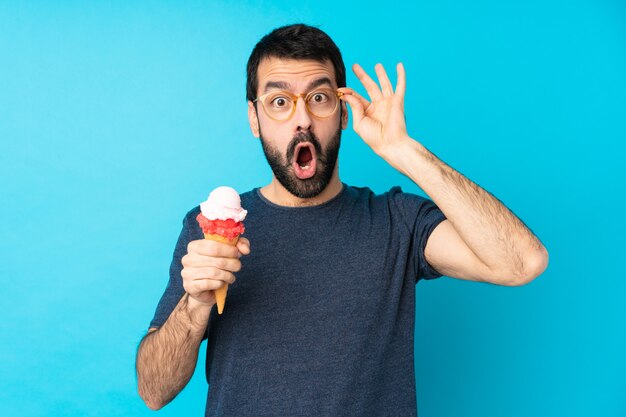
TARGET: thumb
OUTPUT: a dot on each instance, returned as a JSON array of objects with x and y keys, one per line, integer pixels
[
  {"x": 244, "y": 246},
  {"x": 356, "y": 106}
]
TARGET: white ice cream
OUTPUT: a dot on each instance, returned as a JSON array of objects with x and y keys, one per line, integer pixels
[{"x": 223, "y": 203}]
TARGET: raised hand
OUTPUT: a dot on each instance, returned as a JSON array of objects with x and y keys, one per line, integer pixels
[{"x": 381, "y": 122}]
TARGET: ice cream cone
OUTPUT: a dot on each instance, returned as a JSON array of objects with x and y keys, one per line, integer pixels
[
  {"x": 220, "y": 293},
  {"x": 221, "y": 218}
]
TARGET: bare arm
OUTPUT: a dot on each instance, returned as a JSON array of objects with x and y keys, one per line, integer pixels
[
  {"x": 484, "y": 240},
  {"x": 491, "y": 243},
  {"x": 166, "y": 358}
]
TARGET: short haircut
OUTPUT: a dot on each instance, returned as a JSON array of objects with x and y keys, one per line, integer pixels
[{"x": 298, "y": 41}]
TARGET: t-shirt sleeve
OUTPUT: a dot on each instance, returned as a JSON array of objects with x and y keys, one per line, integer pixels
[
  {"x": 421, "y": 216},
  {"x": 174, "y": 290}
]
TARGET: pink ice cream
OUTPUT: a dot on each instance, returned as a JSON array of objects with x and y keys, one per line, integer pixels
[
  {"x": 223, "y": 203},
  {"x": 221, "y": 220}
]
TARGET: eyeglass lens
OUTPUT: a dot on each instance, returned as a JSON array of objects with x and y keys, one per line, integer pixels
[{"x": 321, "y": 103}]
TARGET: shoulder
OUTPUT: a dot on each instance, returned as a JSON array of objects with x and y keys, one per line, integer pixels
[
  {"x": 394, "y": 197},
  {"x": 393, "y": 203},
  {"x": 191, "y": 214},
  {"x": 412, "y": 209},
  {"x": 248, "y": 197},
  {"x": 367, "y": 194}
]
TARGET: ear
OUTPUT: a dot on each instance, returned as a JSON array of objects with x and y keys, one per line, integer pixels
[
  {"x": 344, "y": 115},
  {"x": 253, "y": 119}
]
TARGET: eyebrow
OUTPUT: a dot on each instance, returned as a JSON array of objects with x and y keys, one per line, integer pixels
[{"x": 282, "y": 85}]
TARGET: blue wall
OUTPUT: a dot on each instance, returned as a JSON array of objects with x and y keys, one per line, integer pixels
[{"x": 109, "y": 117}]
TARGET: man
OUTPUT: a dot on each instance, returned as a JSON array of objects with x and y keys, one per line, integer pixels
[{"x": 320, "y": 319}]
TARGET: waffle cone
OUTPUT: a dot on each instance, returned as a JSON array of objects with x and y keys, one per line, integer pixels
[{"x": 220, "y": 293}]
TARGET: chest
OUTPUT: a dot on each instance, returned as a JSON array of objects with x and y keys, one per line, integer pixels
[
  {"x": 315, "y": 284},
  {"x": 342, "y": 260}
]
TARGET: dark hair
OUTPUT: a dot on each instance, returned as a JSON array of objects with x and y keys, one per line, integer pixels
[{"x": 298, "y": 41}]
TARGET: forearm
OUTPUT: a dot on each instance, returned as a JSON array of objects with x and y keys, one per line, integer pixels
[
  {"x": 166, "y": 358},
  {"x": 495, "y": 235}
]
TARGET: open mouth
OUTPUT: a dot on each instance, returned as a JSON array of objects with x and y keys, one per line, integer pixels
[{"x": 305, "y": 163}]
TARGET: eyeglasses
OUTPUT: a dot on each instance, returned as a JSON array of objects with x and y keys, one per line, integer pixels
[{"x": 281, "y": 105}]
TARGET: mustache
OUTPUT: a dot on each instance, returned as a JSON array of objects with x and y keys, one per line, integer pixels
[{"x": 304, "y": 137}]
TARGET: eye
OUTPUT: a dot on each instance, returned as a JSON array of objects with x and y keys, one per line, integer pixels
[
  {"x": 279, "y": 101},
  {"x": 319, "y": 97}
]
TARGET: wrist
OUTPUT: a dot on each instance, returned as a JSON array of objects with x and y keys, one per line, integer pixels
[
  {"x": 402, "y": 154},
  {"x": 197, "y": 312}
]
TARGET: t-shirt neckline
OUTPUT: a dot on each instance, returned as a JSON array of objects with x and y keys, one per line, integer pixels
[{"x": 344, "y": 190}]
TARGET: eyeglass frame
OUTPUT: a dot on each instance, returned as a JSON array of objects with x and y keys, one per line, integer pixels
[{"x": 295, "y": 98}]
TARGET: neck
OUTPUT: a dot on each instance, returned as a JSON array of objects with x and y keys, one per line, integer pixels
[{"x": 277, "y": 194}]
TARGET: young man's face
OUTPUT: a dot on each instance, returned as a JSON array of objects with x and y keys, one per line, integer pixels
[{"x": 302, "y": 151}]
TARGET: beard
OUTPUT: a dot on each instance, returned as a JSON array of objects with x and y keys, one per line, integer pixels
[{"x": 284, "y": 171}]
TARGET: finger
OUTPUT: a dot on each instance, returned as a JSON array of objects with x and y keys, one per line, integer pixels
[
  {"x": 401, "y": 86},
  {"x": 225, "y": 264},
  {"x": 368, "y": 83},
  {"x": 209, "y": 247},
  {"x": 364, "y": 103},
  {"x": 202, "y": 289},
  {"x": 243, "y": 245},
  {"x": 210, "y": 273},
  {"x": 200, "y": 286},
  {"x": 356, "y": 106},
  {"x": 195, "y": 261},
  {"x": 384, "y": 80}
]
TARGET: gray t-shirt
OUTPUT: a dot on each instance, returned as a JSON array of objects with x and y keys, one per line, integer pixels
[{"x": 321, "y": 318}]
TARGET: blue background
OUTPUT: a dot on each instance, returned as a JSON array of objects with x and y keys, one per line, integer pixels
[{"x": 118, "y": 117}]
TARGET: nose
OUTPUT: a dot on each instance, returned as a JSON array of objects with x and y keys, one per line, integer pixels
[{"x": 302, "y": 117}]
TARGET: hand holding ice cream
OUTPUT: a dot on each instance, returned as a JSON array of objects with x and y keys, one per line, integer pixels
[
  {"x": 210, "y": 263},
  {"x": 221, "y": 220}
]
